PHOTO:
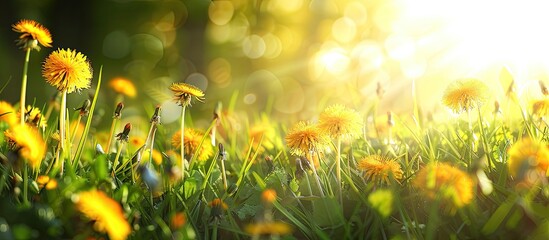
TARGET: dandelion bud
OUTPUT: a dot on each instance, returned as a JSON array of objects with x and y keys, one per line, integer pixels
[
  {"x": 124, "y": 135},
  {"x": 222, "y": 153},
  {"x": 85, "y": 108},
  {"x": 156, "y": 115},
  {"x": 543, "y": 88},
  {"x": 390, "y": 120},
  {"x": 118, "y": 110},
  {"x": 496, "y": 107},
  {"x": 217, "y": 112},
  {"x": 380, "y": 91}
]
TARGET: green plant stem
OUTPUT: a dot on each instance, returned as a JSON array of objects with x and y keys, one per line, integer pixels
[
  {"x": 338, "y": 161},
  {"x": 73, "y": 135},
  {"x": 317, "y": 178},
  {"x": 183, "y": 143},
  {"x": 111, "y": 134},
  {"x": 62, "y": 125},
  {"x": 115, "y": 163},
  {"x": 26, "y": 184},
  {"x": 24, "y": 86},
  {"x": 223, "y": 174}
]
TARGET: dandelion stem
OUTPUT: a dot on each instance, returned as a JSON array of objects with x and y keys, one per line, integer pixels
[
  {"x": 338, "y": 160},
  {"x": 111, "y": 134},
  {"x": 115, "y": 163},
  {"x": 25, "y": 184},
  {"x": 73, "y": 135},
  {"x": 317, "y": 178},
  {"x": 24, "y": 86},
  {"x": 183, "y": 143},
  {"x": 62, "y": 118}
]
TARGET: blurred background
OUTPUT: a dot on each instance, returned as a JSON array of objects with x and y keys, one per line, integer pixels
[{"x": 289, "y": 58}]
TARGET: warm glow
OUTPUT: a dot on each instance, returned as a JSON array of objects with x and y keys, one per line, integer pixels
[{"x": 479, "y": 34}]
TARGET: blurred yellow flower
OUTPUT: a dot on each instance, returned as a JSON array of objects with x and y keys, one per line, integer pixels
[
  {"x": 123, "y": 86},
  {"x": 540, "y": 108},
  {"x": 184, "y": 92},
  {"x": 339, "y": 121},
  {"x": 67, "y": 70},
  {"x": 34, "y": 117},
  {"x": 105, "y": 212},
  {"x": 8, "y": 113},
  {"x": 268, "y": 195},
  {"x": 28, "y": 142},
  {"x": 528, "y": 159},
  {"x": 453, "y": 187},
  {"x": 378, "y": 169},
  {"x": 47, "y": 182},
  {"x": 217, "y": 202},
  {"x": 305, "y": 137},
  {"x": 268, "y": 228},
  {"x": 465, "y": 94},
  {"x": 263, "y": 132},
  {"x": 178, "y": 220},
  {"x": 192, "y": 140},
  {"x": 156, "y": 156},
  {"x": 32, "y": 33}
]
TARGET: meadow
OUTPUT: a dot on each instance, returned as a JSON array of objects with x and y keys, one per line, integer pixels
[{"x": 344, "y": 174}]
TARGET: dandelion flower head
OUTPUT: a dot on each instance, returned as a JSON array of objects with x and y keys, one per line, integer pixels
[
  {"x": 339, "y": 121},
  {"x": 540, "y": 108},
  {"x": 527, "y": 156},
  {"x": 305, "y": 137},
  {"x": 378, "y": 168},
  {"x": 453, "y": 187},
  {"x": 183, "y": 93},
  {"x": 192, "y": 140},
  {"x": 32, "y": 33},
  {"x": 8, "y": 113},
  {"x": 268, "y": 228},
  {"x": 67, "y": 70},
  {"x": 106, "y": 213},
  {"x": 465, "y": 94},
  {"x": 34, "y": 117},
  {"x": 28, "y": 142},
  {"x": 123, "y": 86}
]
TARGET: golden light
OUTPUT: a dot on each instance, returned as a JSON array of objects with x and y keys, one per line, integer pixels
[{"x": 484, "y": 32}]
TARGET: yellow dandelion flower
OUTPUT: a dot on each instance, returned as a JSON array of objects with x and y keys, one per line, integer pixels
[
  {"x": 32, "y": 34},
  {"x": 192, "y": 139},
  {"x": 184, "y": 92},
  {"x": 268, "y": 195},
  {"x": 156, "y": 156},
  {"x": 106, "y": 213},
  {"x": 338, "y": 121},
  {"x": 465, "y": 94},
  {"x": 540, "y": 108},
  {"x": 528, "y": 158},
  {"x": 47, "y": 182},
  {"x": 123, "y": 86},
  {"x": 137, "y": 141},
  {"x": 178, "y": 220},
  {"x": 218, "y": 203},
  {"x": 265, "y": 133},
  {"x": 269, "y": 228},
  {"x": 28, "y": 142},
  {"x": 378, "y": 168},
  {"x": 67, "y": 70},
  {"x": 8, "y": 113},
  {"x": 305, "y": 137},
  {"x": 33, "y": 117},
  {"x": 453, "y": 187}
]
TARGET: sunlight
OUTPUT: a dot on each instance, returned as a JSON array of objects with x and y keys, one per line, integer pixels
[{"x": 479, "y": 34}]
